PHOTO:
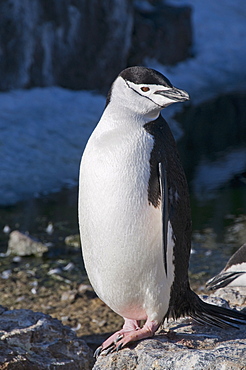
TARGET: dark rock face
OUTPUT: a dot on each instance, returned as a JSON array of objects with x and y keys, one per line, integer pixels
[
  {"x": 162, "y": 32},
  {"x": 213, "y": 131},
  {"x": 63, "y": 42},
  {"x": 82, "y": 44}
]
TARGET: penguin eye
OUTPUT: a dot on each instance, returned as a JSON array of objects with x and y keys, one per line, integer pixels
[{"x": 145, "y": 88}]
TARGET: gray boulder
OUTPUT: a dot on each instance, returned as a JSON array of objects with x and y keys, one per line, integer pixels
[
  {"x": 35, "y": 341},
  {"x": 183, "y": 345},
  {"x": 235, "y": 296}
]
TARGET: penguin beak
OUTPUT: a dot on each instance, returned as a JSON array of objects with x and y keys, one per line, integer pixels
[{"x": 174, "y": 94}]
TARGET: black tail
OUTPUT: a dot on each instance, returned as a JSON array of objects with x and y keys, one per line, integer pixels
[
  {"x": 189, "y": 304},
  {"x": 221, "y": 317},
  {"x": 223, "y": 279}
]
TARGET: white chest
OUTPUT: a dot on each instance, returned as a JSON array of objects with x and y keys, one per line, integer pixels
[
  {"x": 121, "y": 232},
  {"x": 114, "y": 177},
  {"x": 241, "y": 280}
]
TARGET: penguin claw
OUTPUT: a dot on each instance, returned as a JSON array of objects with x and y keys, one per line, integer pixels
[
  {"x": 125, "y": 336},
  {"x": 112, "y": 348},
  {"x": 119, "y": 347},
  {"x": 108, "y": 350},
  {"x": 120, "y": 336},
  {"x": 97, "y": 352}
]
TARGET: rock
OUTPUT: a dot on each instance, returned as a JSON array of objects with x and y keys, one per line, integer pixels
[
  {"x": 35, "y": 341},
  {"x": 74, "y": 44},
  {"x": 218, "y": 301},
  {"x": 23, "y": 245},
  {"x": 73, "y": 241},
  {"x": 84, "y": 44},
  {"x": 235, "y": 295},
  {"x": 221, "y": 123},
  {"x": 236, "y": 233},
  {"x": 156, "y": 33},
  {"x": 69, "y": 295},
  {"x": 83, "y": 288},
  {"x": 183, "y": 345},
  {"x": 186, "y": 346}
]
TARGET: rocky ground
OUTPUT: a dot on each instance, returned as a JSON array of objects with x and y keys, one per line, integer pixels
[
  {"x": 57, "y": 289},
  {"x": 58, "y": 286},
  {"x": 182, "y": 345}
]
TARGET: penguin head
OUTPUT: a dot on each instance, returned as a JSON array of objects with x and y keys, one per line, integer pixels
[{"x": 144, "y": 91}]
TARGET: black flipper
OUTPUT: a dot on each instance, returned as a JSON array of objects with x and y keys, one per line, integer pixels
[
  {"x": 223, "y": 279},
  {"x": 164, "y": 206},
  {"x": 183, "y": 301}
]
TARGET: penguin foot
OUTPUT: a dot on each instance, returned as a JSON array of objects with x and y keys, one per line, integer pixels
[{"x": 130, "y": 332}]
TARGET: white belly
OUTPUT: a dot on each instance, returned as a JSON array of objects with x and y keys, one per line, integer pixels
[
  {"x": 241, "y": 280},
  {"x": 121, "y": 232}
]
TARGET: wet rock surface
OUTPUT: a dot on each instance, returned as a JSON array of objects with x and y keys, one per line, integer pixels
[{"x": 33, "y": 340}]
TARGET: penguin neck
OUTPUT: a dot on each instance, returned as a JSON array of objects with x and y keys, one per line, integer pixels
[{"x": 116, "y": 115}]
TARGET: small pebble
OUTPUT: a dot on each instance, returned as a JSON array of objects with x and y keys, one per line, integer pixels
[
  {"x": 50, "y": 228},
  {"x": 54, "y": 271},
  {"x": 70, "y": 266},
  {"x": 6, "y": 274},
  {"x": 100, "y": 323},
  {"x": 20, "y": 299},
  {"x": 68, "y": 296},
  {"x": 84, "y": 287},
  {"x": 49, "y": 244},
  {"x": 3, "y": 254},
  {"x": 16, "y": 259},
  {"x": 73, "y": 241},
  {"x": 34, "y": 283},
  {"x": 77, "y": 327},
  {"x": 64, "y": 318},
  {"x": 34, "y": 291},
  {"x": 6, "y": 229},
  {"x": 30, "y": 272}
]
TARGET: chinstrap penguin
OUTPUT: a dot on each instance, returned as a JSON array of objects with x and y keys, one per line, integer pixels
[
  {"x": 233, "y": 274},
  {"x": 134, "y": 212}
]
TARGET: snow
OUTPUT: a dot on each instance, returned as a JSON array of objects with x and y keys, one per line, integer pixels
[
  {"x": 43, "y": 134},
  {"x": 44, "y": 130}
]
